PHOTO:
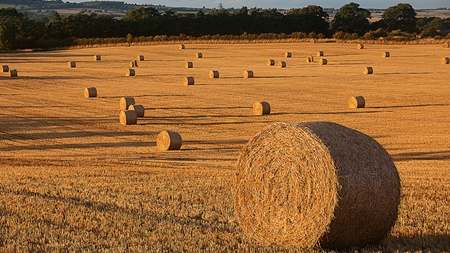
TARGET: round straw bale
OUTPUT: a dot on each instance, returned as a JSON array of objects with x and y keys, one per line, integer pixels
[
  {"x": 248, "y": 74},
  {"x": 308, "y": 183},
  {"x": 5, "y": 68},
  {"x": 323, "y": 61},
  {"x": 182, "y": 46},
  {"x": 288, "y": 54},
  {"x": 446, "y": 45},
  {"x": 128, "y": 117},
  {"x": 168, "y": 140},
  {"x": 313, "y": 40},
  {"x": 270, "y": 62},
  {"x": 97, "y": 57},
  {"x": 140, "y": 58},
  {"x": 445, "y": 60},
  {"x": 282, "y": 64},
  {"x": 386, "y": 54},
  {"x": 320, "y": 53},
  {"x": 140, "y": 110},
  {"x": 90, "y": 92},
  {"x": 72, "y": 64},
  {"x": 130, "y": 72},
  {"x": 125, "y": 102},
  {"x": 261, "y": 108},
  {"x": 189, "y": 65},
  {"x": 360, "y": 46},
  {"x": 131, "y": 64},
  {"x": 188, "y": 80},
  {"x": 13, "y": 73},
  {"x": 368, "y": 70},
  {"x": 310, "y": 58},
  {"x": 199, "y": 55},
  {"x": 356, "y": 102},
  {"x": 214, "y": 74}
]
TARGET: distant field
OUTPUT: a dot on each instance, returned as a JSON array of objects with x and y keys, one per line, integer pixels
[{"x": 74, "y": 179}]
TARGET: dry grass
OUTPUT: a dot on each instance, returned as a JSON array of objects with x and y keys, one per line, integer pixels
[{"x": 74, "y": 179}]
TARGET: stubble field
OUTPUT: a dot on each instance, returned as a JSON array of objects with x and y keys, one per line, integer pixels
[{"x": 74, "y": 179}]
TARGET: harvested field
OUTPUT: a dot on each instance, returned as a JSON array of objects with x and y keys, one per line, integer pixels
[{"x": 75, "y": 179}]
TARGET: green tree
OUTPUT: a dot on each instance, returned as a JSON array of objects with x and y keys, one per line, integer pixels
[
  {"x": 352, "y": 19},
  {"x": 400, "y": 17},
  {"x": 142, "y": 21},
  {"x": 310, "y": 19}
]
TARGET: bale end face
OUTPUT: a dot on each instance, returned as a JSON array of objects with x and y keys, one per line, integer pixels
[
  {"x": 261, "y": 108},
  {"x": 90, "y": 92},
  {"x": 248, "y": 74},
  {"x": 188, "y": 80},
  {"x": 140, "y": 110},
  {"x": 13, "y": 73},
  {"x": 445, "y": 60},
  {"x": 356, "y": 102},
  {"x": 368, "y": 70},
  {"x": 125, "y": 102},
  {"x": 168, "y": 140},
  {"x": 130, "y": 72},
  {"x": 128, "y": 117},
  {"x": 72, "y": 64},
  {"x": 5, "y": 68},
  {"x": 270, "y": 62},
  {"x": 214, "y": 74}
]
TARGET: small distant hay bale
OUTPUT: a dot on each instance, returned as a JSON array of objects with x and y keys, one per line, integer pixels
[
  {"x": 133, "y": 64},
  {"x": 131, "y": 72},
  {"x": 188, "y": 80},
  {"x": 386, "y": 54},
  {"x": 360, "y": 46},
  {"x": 140, "y": 110},
  {"x": 90, "y": 92},
  {"x": 128, "y": 117},
  {"x": 446, "y": 45},
  {"x": 356, "y": 102},
  {"x": 182, "y": 46},
  {"x": 445, "y": 60},
  {"x": 189, "y": 65},
  {"x": 313, "y": 40},
  {"x": 310, "y": 58},
  {"x": 288, "y": 54},
  {"x": 323, "y": 61},
  {"x": 199, "y": 55},
  {"x": 13, "y": 73},
  {"x": 140, "y": 58},
  {"x": 97, "y": 57},
  {"x": 261, "y": 108},
  {"x": 320, "y": 53},
  {"x": 282, "y": 64},
  {"x": 248, "y": 74},
  {"x": 294, "y": 187},
  {"x": 5, "y": 68},
  {"x": 168, "y": 140},
  {"x": 214, "y": 74},
  {"x": 271, "y": 62},
  {"x": 72, "y": 64},
  {"x": 125, "y": 102},
  {"x": 368, "y": 70}
]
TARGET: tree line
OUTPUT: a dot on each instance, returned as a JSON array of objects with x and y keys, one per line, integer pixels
[{"x": 17, "y": 31}]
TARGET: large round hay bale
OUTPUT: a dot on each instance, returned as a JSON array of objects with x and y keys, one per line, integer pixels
[
  {"x": 168, "y": 140},
  {"x": 97, "y": 57},
  {"x": 320, "y": 53},
  {"x": 125, "y": 102},
  {"x": 288, "y": 54},
  {"x": 360, "y": 46},
  {"x": 368, "y": 70},
  {"x": 128, "y": 117},
  {"x": 13, "y": 73},
  {"x": 386, "y": 54},
  {"x": 282, "y": 64},
  {"x": 140, "y": 110},
  {"x": 182, "y": 46},
  {"x": 214, "y": 74},
  {"x": 446, "y": 45},
  {"x": 90, "y": 92},
  {"x": 188, "y": 80},
  {"x": 271, "y": 62},
  {"x": 445, "y": 60},
  {"x": 356, "y": 102},
  {"x": 261, "y": 108},
  {"x": 310, "y": 58},
  {"x": 315, "y": 183},
  {"x": 5, "y": 68},
  {"x": 140, "y": 58},
  {"x": 72, "y": 64},
  {"x": 189, "y": 65},
  {"x": 323, "y": 61},
  {"x": 199, "y": 55},
  {"x": 131, "y": 72},
  {"x": 248, "y": 74}
]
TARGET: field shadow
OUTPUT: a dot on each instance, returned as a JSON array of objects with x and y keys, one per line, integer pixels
[
  {"x": 405, "y": 106},
  {"x": 431, "y": 156},
  {"x": 202, "y": 108},
  {"x": 404, "y": 73},
  {"x": 329, "y": 113}
]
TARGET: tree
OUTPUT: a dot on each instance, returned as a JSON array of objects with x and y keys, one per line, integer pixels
[
  {"x": 400, "y": 17},
  {"x": 352, "y": 19},
  {"x": 142, "y": 21},
  {"x": 311, "y": 18}
]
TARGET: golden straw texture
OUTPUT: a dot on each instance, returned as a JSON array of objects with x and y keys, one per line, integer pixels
[
  {"x": 125, "y": 102},
  {"x": 445, "y": 60},
  {"x": 128, "y": 117},
  {"x": 261, "y": 108},
  {"x": 140, "y": 110},
  {"x": 446, "y": 45},
  {"x": 168, "y": 140},
  {"x": 356, "y": 102}
]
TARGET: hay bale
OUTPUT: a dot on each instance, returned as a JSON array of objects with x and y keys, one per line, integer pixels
[
  {"x": 281, "y": 64},
  {"x": 386, "y": 54},
  {"x": 356, "y": 102},
  {"x": 189, "y": 65},
  {"x": 271, "y": 62},
  {"x": 320, "y": 53},
  {"x": 446, "y": 45},
  {"x": 90, "y": 92},
  {"x": 360, "y": 46},
  {"x": 214, "y": 74},
  {"x": 313, "y": 40},
  {"x": 140, "y": 58},
  {"x": 13, "y": 73},
  {"x": 130, "y": 72},
  {"x": 132, "y": 64},
  {"x": 368, "y": 70},
  {"x": 125, "y": 102},
  {"x": 128, "y": 117},
  {"x": 445, "y": 60},
  {"x": 182, "y": 46},
  {"x": 199, "y": 55},
  {"x": 323, "y": 61},
  {"x": 248, "y": 74},
  {"x": 97, "y": 57},
  {"x": 304, "y": 184},
  {"x": 140, "y": 110},
  {"x": 168, "y": 140},
  {"x": 288, "y": 54},
  {"x": 72, "y": 64},
  {"x": 5, "y": 68},
  {"x": 188, "y": 80},
  {"x": 261, "y": 108},
  {"x": 310, "y": 58}
]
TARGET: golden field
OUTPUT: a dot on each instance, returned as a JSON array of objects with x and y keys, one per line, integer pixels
[{"x": 74, "y": 179}]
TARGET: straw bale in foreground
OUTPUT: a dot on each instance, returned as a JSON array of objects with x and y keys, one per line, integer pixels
[
  {"x": 90, "y": 92},
  {"x": 356, "y": 102},
  {"x": 140, "y": 110},
  {"x": 261, "y": 108},
  {"x": 305, "y": 184},
  {"x": 128, "y": 117},
  {"x": 168, "y": 140},
  {"x": 125, "y": 102}
]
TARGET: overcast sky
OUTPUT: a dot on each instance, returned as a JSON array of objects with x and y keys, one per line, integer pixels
[{"x": 288, "y": 4}]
